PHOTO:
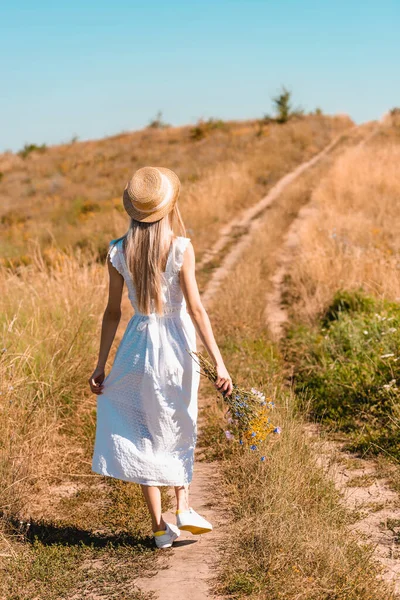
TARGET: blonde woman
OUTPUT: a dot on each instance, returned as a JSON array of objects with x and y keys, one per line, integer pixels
[{"x": 146, "y": 426}]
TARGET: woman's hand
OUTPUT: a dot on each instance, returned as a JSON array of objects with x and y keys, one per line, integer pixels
[
  {"x": 96, "y": 381},
  {"x": 224, "y": 381}
]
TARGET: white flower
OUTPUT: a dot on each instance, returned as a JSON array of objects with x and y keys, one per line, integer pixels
[
  {"x": 365, "y": 332},
  {"x": 389, "y": 385},
  {"x": 257, "y": 393},
  {"x": 379, "y": 317}
]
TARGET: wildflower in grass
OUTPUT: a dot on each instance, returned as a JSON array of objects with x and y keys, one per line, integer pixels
[
  {"x": 277, "y": 430},
  {"x": 389, "y": 385},
  {"x": 229, "y": 435},
  {"x": 253, "y": 447},
  {"x": 262, "y": 458}
]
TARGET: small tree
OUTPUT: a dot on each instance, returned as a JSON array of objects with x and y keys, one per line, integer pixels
[
  {"x": 28, "y": 148},
  {"x": 282, "y": 105},
  {"x": 157, "y": 122}
]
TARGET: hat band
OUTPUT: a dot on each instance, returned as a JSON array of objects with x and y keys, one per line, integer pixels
[{"x": 167, "y": 198}]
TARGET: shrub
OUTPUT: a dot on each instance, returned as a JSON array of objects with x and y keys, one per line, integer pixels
[
  {"x": 283, "y": 106},
  {"x": 203, "y": 128},
  {"x": 157, "y": 122},
  {"x": 12, "y": 217},
  {"x": 350, "y": 366},
  {"x": 28, "y": 148}
]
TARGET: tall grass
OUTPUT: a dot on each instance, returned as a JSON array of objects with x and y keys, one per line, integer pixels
[
  {"x": 352, "y": 238},
  {"x": 48, "y": 326}
]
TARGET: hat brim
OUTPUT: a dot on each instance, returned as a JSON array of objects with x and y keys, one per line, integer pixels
[{"x": 157, "y": 214}]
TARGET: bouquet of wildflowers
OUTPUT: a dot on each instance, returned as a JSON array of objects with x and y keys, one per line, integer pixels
[{"x": 248, "y": 412}]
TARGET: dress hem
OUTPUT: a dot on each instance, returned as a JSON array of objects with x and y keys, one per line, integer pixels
[{"x": 142, "y": 481}]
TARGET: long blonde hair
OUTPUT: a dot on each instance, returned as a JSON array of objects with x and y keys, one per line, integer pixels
[{"x": 146, "y": 247}]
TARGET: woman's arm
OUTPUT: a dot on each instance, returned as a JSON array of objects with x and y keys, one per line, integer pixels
[
  {"x": 111, "y": 319},
  {"x": 201, "y": 320}
]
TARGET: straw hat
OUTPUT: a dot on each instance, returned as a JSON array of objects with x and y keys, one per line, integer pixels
[{"x": 151, "y": 193}]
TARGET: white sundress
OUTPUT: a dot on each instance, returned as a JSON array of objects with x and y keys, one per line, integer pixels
[{"x": 146, "y": 427}]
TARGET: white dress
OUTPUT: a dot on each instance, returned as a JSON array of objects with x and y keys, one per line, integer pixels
[{"x": 146, "y": 426}]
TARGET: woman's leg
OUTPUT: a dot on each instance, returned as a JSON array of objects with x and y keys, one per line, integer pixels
[
  {"x": 182, "y": 497},
  {"x": 152, "y": 496}
]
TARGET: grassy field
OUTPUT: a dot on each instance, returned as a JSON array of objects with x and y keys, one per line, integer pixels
[{"x": 66, "y": 532}]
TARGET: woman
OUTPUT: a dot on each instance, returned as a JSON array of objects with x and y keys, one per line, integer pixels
[{"x": 146, "y": 427}]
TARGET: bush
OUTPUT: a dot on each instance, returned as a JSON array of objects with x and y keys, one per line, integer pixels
[
  {"x": 203, "y": 128},
  {"x": 283, "y": 107},
  {"x": 350, "y": 366},
  {"x": 28, "y": 148},
  {"x": 157, "y": 122},
  {"x": 12, "y": 217}
]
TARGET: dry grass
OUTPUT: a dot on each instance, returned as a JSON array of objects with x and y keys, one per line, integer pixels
[
  {"x": 352, "y": 238},
  {"x": 48, "y": 417},
  {"x": 61, "y": 208},
  {"x": 72, "y": 193},
  {"x": 48, "y": 325}
]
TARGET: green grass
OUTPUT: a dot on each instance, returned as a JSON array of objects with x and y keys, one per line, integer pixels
[{"x": 348, "y": 367}]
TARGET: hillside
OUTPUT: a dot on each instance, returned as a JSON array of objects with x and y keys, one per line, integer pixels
[
  {"x": 288, "y": 533},
  {"x": 70, "y": 195}
]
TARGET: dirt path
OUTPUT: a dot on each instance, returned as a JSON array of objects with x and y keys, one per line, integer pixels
[
  {"x": 367, "y": 493},
  {"x": 186, "y": 570},
  {"x": 365, "y": 490}
]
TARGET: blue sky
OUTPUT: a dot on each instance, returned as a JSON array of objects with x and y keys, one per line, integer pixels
[{"x": 95, "y": 68}]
